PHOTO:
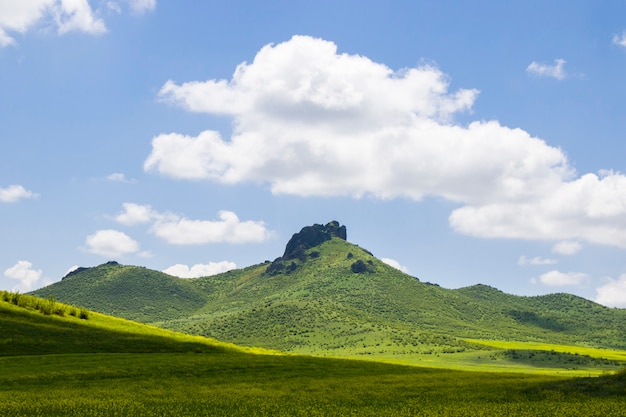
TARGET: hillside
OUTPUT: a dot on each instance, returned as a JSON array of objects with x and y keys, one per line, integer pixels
[
  {"x": 33, "y": 326},
  {"x": 58, "y": 362},
  {"x": 327, "y": 296},
  {"x": 132, "y": 292}
]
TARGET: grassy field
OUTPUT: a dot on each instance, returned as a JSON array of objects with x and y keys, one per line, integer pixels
[
  {"x": 104, "y": 366},
  {"x": 233, "y": 384}
]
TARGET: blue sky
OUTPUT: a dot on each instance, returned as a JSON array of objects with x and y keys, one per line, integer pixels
[{"x": 465, "y": 142}]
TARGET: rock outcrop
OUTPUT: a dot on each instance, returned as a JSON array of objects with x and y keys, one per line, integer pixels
[{"x": 311, "y": 236}]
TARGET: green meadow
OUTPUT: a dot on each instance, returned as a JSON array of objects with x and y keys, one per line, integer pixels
[
  {"x": 58, "y": 364},
  {"x": 231, "y": 384}
]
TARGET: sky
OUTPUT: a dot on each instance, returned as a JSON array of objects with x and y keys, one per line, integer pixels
[{"x": 463, "y": 142}]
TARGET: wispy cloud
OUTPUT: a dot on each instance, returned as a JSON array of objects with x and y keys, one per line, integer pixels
[
  {"x": 142, "y": 6},
  {"x": 537, "y": 260},
  {"x": 119, "y": 177},
  {"x": 620, "y": 40},
  {"x": 544, "y": 70}
]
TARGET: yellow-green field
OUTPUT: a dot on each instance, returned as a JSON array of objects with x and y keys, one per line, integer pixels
[{"x": 57, "y": 364}]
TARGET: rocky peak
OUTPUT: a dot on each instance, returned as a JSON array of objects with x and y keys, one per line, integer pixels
[{"x": 311, "y": 236}]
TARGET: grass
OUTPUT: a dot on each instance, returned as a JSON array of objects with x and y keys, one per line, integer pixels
[
  {"x": 30, "y": 331},
  {"x": 234, "y": 384},
  {"x": 106, "y": 366}
]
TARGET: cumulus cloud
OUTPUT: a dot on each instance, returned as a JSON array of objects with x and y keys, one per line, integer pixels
[
  {"x": 228, "y": 228},
  {"x": 620, "y": 40},
  {"x": 200, "y": 270},
  {"x": 310, "y": 121},
  {"x": 111, "y": 243},
  {"x": 75, "y": 15},
  {"x": 20, "y": 16},
  {"x": 14, "y": 193},
  {"x": 567, "y": 247},
  {"x": 613, "y": 293},
  {"x": 557, "y": 278},
  {"x": 180, "y": 230},
  {"x": 395, "y": 264},
  {"x": 591, "y": 207},
  {"x": 25, "y": 273},
  {"x": 537, "y": 260},
  {"x": 65, "y": 15},
  {"x": 552, "y": 71},
  {"x": 136, "y": 214}
]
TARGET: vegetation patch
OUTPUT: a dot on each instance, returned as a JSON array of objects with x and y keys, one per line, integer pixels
[{"x": 47, "y": 307}]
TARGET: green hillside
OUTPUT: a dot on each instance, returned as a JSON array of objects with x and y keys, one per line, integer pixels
[
  {"x": 328, "y": 297},
  {"x": 32, "y": 326},
  {"x": 132, "y": 292},
  {"x": 58, "y": 362}
]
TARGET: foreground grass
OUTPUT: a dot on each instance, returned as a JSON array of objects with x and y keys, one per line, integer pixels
[
  {"x": 233, "y": 384},
  {"x": 62, "y": 365}
]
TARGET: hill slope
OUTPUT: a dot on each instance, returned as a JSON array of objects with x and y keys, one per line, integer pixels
[
  {"x": 131, "y": 292},
  {"x": 29, "y": 329},
  {"x": 106, "y": 366},
  {"x": 326, "y": 296}
]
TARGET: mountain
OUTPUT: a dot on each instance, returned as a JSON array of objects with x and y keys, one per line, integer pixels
[
  {"x": 131, "y": 292},
  {"x": 327, "y": 296}
]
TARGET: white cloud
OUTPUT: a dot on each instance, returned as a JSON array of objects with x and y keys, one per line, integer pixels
[
  {"x": 72, "y": 269},
  {"x": 589, "y": 208},
  {"x": 23, "y": 272},
  {"x": 200, "y": 270},
  {"x": 557, "y": 278},
  {"x": 65, "y": 15},
  {"x": 142, "y": 6},
  {"x": 395, "y": 264},
  {"x": 180, "y": 230},
  {"x": 183, "y": 231},
  {"x": 537, "y": 260},
  {"x": 14, "y": 193},
  {"x": 114, "y": 6},
  {"x": 613, "y": 293},
  {"x": 20, "y": 16},
  {"x": 310, "y": 121},
  {"x": 620, "y": 39},
  {"x": 111, "y": 243},
  {"x": 76, "y": 15},
  {"x": 136, "y": 214},
  {"x": 119, "y": 177},
  {"x": 567, "y": 247},
  {"x": 544, "y": 70}
]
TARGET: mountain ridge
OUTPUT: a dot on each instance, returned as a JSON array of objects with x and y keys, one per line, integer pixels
[{"x": 336, "y": 298}]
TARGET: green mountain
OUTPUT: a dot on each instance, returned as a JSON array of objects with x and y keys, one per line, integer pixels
[{"x": 327, "y": 296}]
